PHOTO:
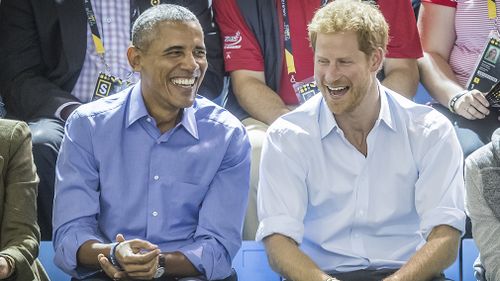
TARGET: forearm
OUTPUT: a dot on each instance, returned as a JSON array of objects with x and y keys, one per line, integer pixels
[
  {"x": 88, "y": 252},
  {"x": 401, "y": 76},
  {"x": 288, "y": 260},
  {"x": 438, "y": 78},
  {"x": 437, "y": 254},
  {"x": 177, "y": 264},
  {"x": 256, "y": 97}
]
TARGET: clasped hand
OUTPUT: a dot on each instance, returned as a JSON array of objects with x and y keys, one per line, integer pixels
[{"x": 138, "y": 259}]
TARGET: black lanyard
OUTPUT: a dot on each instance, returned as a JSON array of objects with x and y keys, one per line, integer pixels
[
  {"x": 290, "y": 62},
  {"x": 96, "y": 36}
]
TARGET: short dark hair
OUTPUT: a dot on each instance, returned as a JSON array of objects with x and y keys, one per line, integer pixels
[{"x": 143, "y": 28}]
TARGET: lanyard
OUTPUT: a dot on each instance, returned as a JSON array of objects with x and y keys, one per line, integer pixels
[
  {"x": 96, "y": 36},
  {"x": 290, "y": 62},
  {"x": 492, "y": 9}
]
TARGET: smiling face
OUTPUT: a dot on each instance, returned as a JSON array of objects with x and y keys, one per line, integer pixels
[
  {"x": 344, "y": 74},
  {"x": 172, "y": 66}
]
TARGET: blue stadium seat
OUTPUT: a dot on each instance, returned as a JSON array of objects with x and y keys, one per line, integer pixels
[
  {"x": 453, "y": 272},
  {"x": 46, "y": 257},
  {"x": 422, "y": 96},
  {"x": 251, "y": 263},
  {"x": 469, "y": 255}
]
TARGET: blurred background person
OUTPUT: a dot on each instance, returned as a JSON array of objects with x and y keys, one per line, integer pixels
[
  {"x": 453, "y": 35},
  {"x": 482, "y": 181}
]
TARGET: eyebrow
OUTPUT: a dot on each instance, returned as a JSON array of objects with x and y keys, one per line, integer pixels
[
  {"x": 173, "y": 48},
  {"x": 179, "y": 48}
]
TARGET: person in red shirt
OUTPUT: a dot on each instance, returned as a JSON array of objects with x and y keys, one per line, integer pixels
[{"x": 258, "y": 34}]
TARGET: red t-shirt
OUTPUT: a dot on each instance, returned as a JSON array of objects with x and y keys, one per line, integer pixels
[
  {"x": 242, "y": 51},
  {"x": 449, "y": 3}
]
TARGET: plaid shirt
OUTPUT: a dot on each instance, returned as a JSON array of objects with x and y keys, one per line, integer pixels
[{"x": 113, "y": 22}]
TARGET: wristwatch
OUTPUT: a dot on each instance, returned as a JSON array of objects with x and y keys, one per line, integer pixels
[{"x": 160, "y": 271}]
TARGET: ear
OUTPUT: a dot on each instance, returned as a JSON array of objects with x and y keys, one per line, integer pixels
[
  {"x": 134, "y": 58},
  {"x": 376, "y": 59}
]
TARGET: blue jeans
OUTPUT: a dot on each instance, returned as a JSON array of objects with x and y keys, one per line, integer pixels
[{"x": 472, "y": 134}]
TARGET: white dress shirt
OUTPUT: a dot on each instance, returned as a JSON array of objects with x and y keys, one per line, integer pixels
[{"x": 351, "y": 212}]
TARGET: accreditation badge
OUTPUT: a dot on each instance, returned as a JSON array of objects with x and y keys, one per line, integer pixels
[
  {"x": 487, "y": 69},
  {"x": 107, "y": 85},
  {"x": 305, "y": 89},
  {"x": 493, "y": 96}
]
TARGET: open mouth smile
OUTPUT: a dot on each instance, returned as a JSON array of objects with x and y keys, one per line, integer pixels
[
  {"x": 337, "y": 91},
  {"x": 184, "y": 82}
]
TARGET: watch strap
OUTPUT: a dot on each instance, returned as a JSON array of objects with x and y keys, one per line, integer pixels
[{"x": 112, "y": 255}]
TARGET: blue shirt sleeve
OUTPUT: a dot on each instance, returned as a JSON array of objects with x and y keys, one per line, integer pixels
[
  {"x": 76, "y": 204},
  {"x": 218, "y": 235}
]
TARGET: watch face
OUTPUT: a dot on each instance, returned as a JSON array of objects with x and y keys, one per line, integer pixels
[{"x": 159, "y": 272}]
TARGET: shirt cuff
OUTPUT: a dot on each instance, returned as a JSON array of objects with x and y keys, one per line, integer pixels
[
  {"x": 66, "y": 254},
  {"x": 284, "y": 225},
  {"x": 442, "y": 216},
  {"x": 57, "y": 114},
  {"x": 207, "y": 260}
]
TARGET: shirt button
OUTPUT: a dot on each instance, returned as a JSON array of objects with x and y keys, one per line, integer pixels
[
  {"x": 108, "y": 20},
  {"x": 155, "y": 213},
  {"x": 156, "y": 178},
  {"x": 148, "y": 119}
]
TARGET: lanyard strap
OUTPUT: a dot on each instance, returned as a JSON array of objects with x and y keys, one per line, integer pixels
[
  {"x": 290, "y": 62},
  {"x": 96, "y": 36},
  {"x": 492, "y": 9}
]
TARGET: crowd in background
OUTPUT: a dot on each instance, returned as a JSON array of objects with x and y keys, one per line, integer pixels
[{"x": 118, "y": 140}]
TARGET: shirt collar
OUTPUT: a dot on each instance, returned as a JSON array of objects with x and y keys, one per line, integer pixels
[
  {"x": 385, "y": 113},
  {"x": 136, "y": 107},
  {"x": 137, "y": 110},
  {"x": 189, "y": 120},
  {"x": 327, "y": 120}
]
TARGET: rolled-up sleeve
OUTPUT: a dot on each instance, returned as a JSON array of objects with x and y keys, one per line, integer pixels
[
  {"x": 218, "y": 234},
  {"x": 439, "y": 190},
  {"x": 281, "y": 200},
  {"x": 76, "y": 202}
]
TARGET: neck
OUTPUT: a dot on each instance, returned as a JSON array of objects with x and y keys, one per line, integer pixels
[
  {"x": 166, "y": 123},
  {"x": 357, "y": 124},
  {"x": 165, "y": 119}
]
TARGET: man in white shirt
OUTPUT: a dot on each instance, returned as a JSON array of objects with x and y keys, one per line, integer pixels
[{"x": 359, "y": 183}]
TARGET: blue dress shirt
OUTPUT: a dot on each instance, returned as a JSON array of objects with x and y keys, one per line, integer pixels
[
  {"x": 351, "y": 212},
  {"x": 184, "y": 190}
]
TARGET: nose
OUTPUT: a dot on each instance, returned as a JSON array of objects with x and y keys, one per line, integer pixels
[
  {"x": 190, "y": 63},
  {"x": 333, "y": 73}
]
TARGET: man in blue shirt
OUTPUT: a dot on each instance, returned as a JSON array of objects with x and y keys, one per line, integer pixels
[{"x": 152, "y": 182}]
